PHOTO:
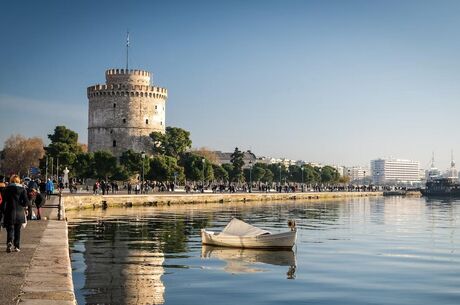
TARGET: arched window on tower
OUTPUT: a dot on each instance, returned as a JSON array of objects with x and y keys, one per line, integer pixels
[
  {"x": 114, "y": 105},
  {"x": 146, "y": 121},
  {"x": 124, "y": 120},
  {"x": 114, "y": 144}
]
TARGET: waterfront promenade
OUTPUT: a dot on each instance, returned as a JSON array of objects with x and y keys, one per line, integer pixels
[{"x": 41, "y": 273}]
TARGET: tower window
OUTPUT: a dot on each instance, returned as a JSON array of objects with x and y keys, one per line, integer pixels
[
  {"x": 114, "y": 144},
  {"x": 111, "y": 131},
  {"x": 161, "y": 123},
  {"x": 124, "y": 120},
  {"x": 114, "y": 105},
  {"x": 156, "y": 107},
  {"x": 146, "y": 121}
]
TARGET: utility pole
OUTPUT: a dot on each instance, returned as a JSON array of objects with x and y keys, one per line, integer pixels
[
  {"x": 127, "y": 49},
  {"x": 52, "y": 168},
  {"x": 46, "y": 169}
]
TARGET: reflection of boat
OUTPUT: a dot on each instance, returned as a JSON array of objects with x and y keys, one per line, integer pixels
[
  {"x": 394, "y": 193},
  {"x": 239, "y": 234},
  {"x": 242, "y": 260}
]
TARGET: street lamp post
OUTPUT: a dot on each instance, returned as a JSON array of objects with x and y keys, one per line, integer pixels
[
  {"x": 280, "y": 177},
  {"x": 143, "y": 158},
  {"x": 250, "y": 176},
  {"x": 302, "y": 169},
  {"x": 204, "y": 161}
]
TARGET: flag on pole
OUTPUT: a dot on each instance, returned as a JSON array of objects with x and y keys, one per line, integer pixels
[{"x": 127, "y": 39}]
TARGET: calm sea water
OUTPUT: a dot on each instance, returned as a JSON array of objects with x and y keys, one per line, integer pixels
[{"x": 361, "y": 251}]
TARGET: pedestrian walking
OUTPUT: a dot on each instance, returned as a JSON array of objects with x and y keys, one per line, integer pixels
[
  {"x": 49, "y": 188},
  {"x": 15, "y": 200}
]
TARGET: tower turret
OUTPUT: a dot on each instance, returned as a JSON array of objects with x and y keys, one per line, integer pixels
[{"x": 124, "y": 111}]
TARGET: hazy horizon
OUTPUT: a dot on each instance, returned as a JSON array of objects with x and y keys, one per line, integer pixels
[{"x": 336, "y": 82}]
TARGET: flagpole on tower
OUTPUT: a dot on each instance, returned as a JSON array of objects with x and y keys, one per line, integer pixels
[{"x": 127, "y": 48}]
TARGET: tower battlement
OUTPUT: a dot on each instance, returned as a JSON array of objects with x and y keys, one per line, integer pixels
[
  {"x": 123, "y": 76},
  {"x": 127, "y": 90}
]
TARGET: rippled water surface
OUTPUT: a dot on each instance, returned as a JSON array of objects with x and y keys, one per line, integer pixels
[{"x": 361, "y": 251}]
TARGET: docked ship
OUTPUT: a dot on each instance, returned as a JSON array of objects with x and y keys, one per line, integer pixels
[
  {"x": 438, "y": 186},
  {"x": 442, "y": 187}
]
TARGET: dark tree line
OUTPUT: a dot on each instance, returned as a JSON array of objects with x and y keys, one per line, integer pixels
[{"x": 170, "y": 159}]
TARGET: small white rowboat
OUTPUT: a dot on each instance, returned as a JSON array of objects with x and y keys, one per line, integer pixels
[{"x": 239, "y": 234}]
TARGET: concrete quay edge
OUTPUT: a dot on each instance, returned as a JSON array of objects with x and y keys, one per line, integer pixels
[
  {"x": 48, "y": 279},
  {"x": 86, "y": 201}
]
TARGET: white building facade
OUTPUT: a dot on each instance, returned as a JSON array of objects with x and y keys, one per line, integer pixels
[
  {"x": 356, "y": 172},
  {"x": 395, "y": 171}
]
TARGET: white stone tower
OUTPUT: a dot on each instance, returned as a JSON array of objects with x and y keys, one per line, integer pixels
[{"x": 124, "y": 111}]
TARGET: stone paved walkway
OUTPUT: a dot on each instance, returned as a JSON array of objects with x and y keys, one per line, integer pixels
[{"x": 41, "y": 272}]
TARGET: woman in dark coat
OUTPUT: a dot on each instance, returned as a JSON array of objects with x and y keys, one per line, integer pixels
[{"x": 14, "y": 202}]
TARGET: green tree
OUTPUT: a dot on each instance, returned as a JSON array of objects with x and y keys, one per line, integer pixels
[
  {"x": 258, "y": 171},
  {"x": 238, "y": 163},
  {"x": 165, "y": 168},
  {"x": 105, "y": 164},
  {"x": 279, "y": 174},
  {"x": 120, "y": 174},
  {"x": 133, "y": 163},
  {"x": 220, "y": 174},
  {"x": 268, "y": 176},
  {"x": 174, "y": 142},
  {"x": 195, "y": 167},
  {"x": 84, "y": 165},
  {"x": 329, "y": 175},
  {"x": 229, "y": 169},
  {"x": 311, "y": 174},
  {"x": 63, "y": 147}
]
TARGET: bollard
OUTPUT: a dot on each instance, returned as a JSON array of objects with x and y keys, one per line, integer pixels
[{"x": 60, "y": 206}]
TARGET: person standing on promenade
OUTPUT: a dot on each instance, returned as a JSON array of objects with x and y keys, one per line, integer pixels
[
  {"x": 2, "y": 189},
  {"x": 49, "y": 188},
  {"x": 39, "y": 202},
  {"x": 15, "y": 200}
]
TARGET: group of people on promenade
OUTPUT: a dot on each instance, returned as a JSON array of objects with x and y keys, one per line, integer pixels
[
  {"x": 17, "y": 202},
  {"x": 101, "y": 187}
]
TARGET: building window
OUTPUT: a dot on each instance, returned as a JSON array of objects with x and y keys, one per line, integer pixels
[
  {"x": 161, "y": 123},
  {"x": 114, "y": 105},
  {"x": 114, "y": 144},
  {"x": 111, "y": 131},
  {"x": 156, "y": 107},
  {"x": 146, "y": 121},
  {"x": 124, "y": 120}
]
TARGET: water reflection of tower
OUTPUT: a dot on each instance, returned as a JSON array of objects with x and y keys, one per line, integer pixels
[{"x": 118, "y": 272}]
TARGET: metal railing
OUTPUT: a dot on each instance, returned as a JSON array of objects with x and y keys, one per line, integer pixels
[{"x": 58, "y": 206}]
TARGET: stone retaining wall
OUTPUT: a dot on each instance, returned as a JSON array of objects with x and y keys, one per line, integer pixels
[{"x": 72, "y": 202}]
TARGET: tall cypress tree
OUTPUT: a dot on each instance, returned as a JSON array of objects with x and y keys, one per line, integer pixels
[{"x": 238, "y": 163}]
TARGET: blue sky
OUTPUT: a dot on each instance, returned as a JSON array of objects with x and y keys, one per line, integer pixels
[{"x": 338, "y": 82}]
